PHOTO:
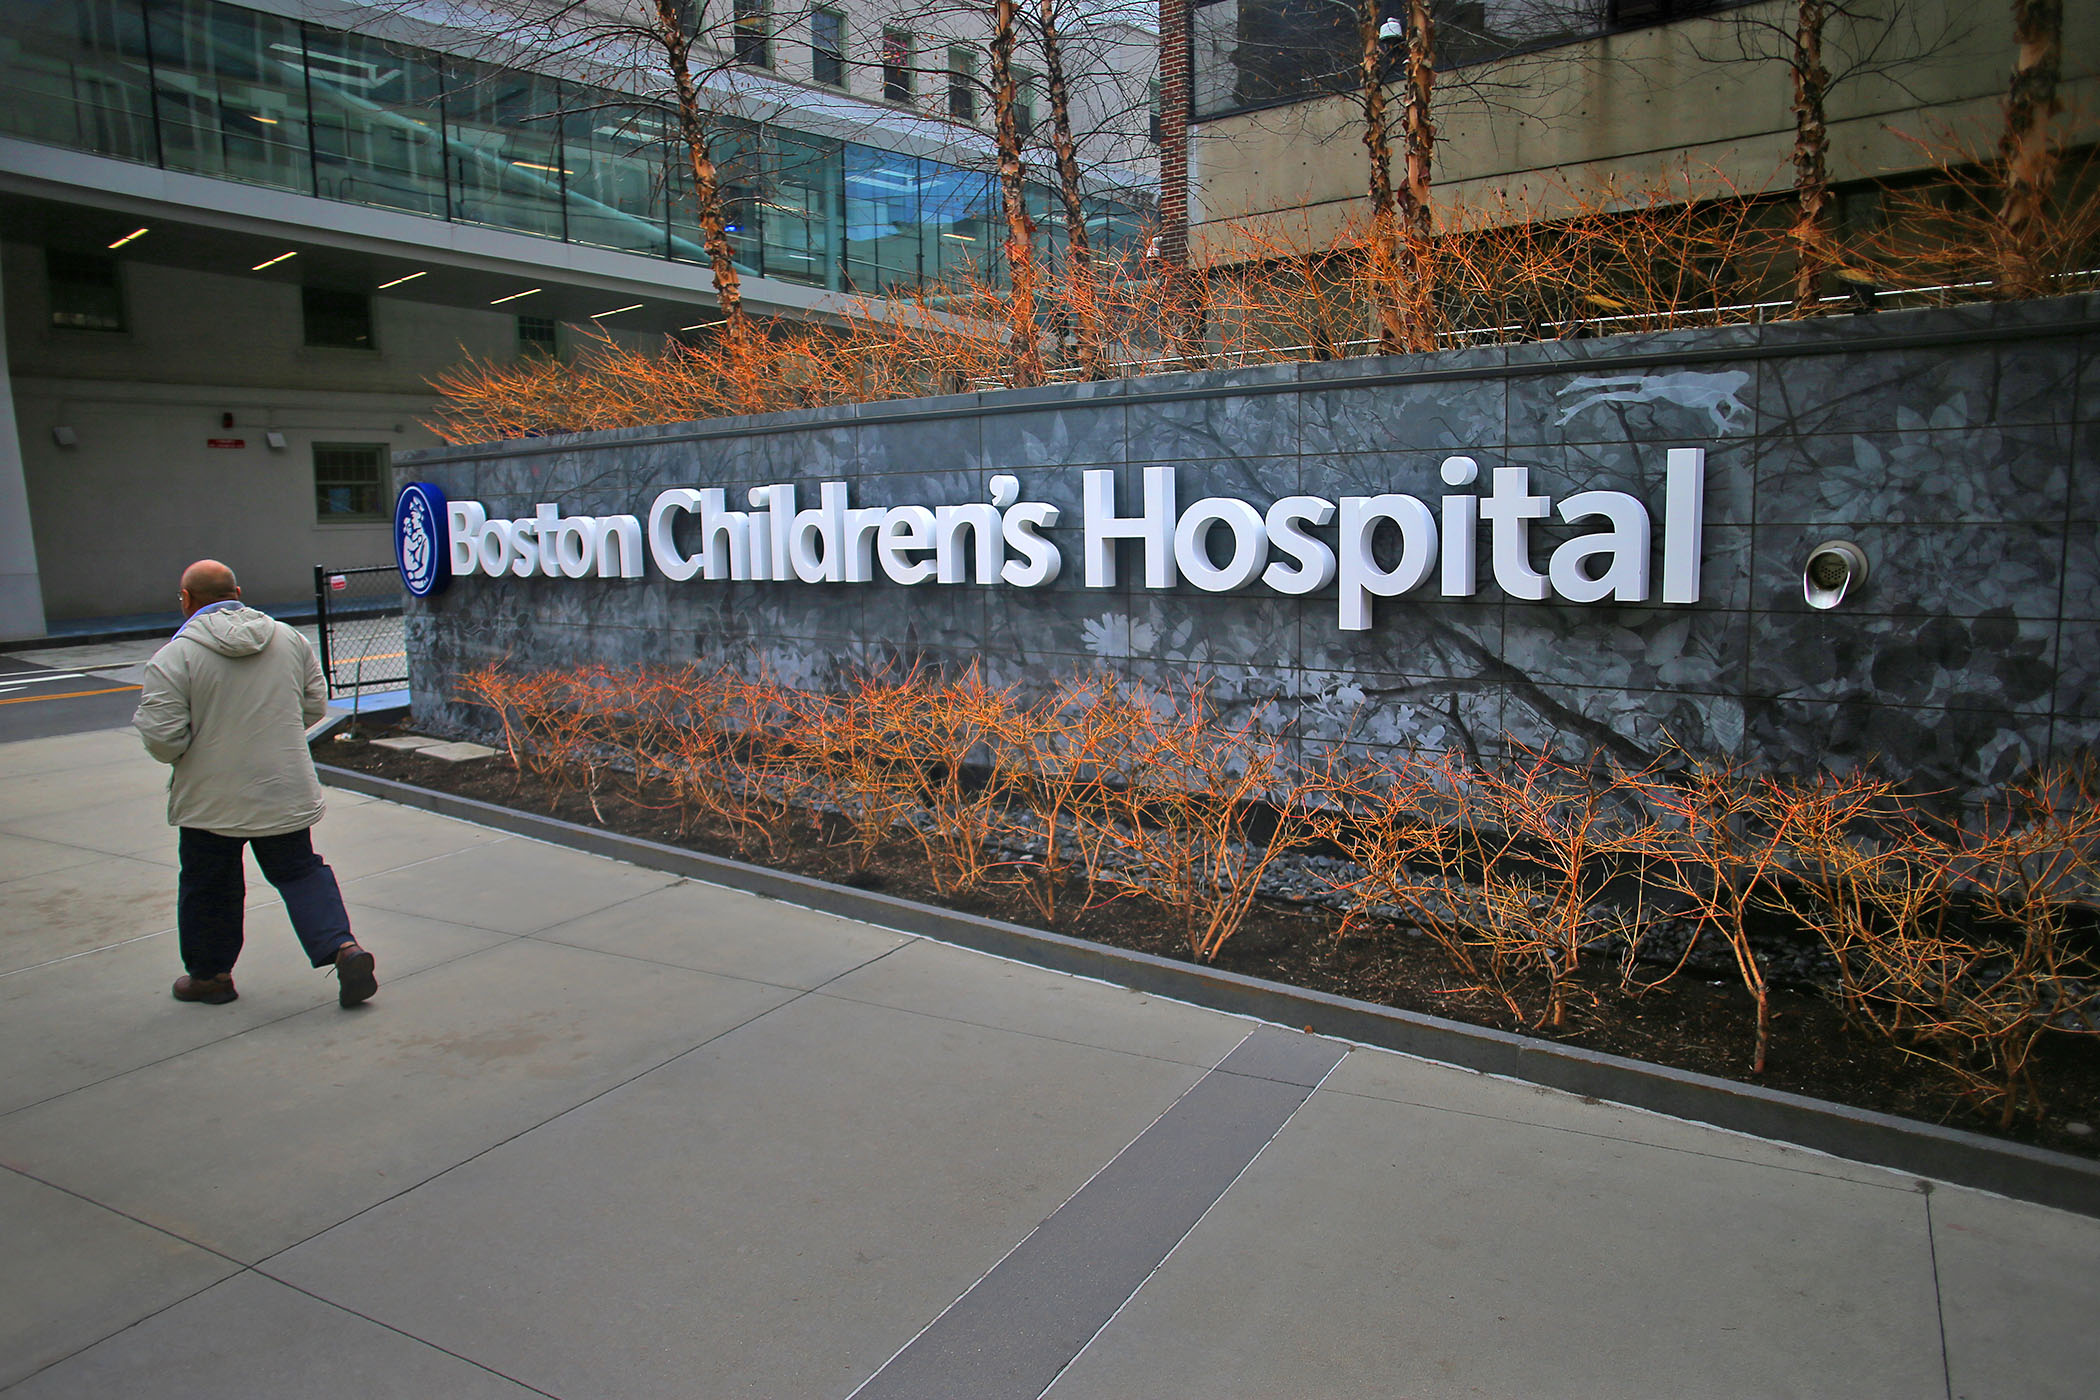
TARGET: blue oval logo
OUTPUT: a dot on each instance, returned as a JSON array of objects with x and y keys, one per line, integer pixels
[{"x": 419, "y": 539}]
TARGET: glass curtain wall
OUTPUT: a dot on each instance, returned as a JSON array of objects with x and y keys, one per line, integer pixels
[
  {"x": 216, "y": 89},
  {"x": 614, "y": 149},
  {"x": 378, "y": 124},
  {"x": 737, "y": 156},
  {"x": 503, "y": 134},
  {"x": 230, "y": 89},
  {"x": 75, "y": 74},
  {"x": 799, "y": 209},
  {"x": 959, "y": 224},
  {"x": 882, "y": 218}
]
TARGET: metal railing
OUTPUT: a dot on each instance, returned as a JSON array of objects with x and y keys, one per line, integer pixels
[{"x": 359, "y": 615}]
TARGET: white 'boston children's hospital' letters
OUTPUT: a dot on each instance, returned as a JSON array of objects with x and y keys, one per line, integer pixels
[{"x": 1386, "y": 545}]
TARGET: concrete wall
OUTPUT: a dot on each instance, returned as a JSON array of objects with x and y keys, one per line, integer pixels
[
  {"x": 1675, "y": 104},
  {"x": 118, "y": 515},
  {"x": 1960, "y": 449}
]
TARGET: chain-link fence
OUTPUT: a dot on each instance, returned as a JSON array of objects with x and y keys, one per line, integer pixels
[{"x": 359, "y": 611}]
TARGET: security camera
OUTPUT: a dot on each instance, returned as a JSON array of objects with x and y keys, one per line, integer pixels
[{"x": 1834, "y": 569}]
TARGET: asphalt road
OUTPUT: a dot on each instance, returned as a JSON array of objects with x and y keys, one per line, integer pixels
[{"x": 37, "y": 702}]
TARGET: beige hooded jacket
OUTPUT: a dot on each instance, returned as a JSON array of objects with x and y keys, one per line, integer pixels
[{"x": 227, "y": 703}]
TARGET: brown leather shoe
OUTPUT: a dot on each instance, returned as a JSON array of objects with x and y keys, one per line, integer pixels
[
  {"x": 353, "y": 975},
  {"x": 212, "y": 991}
]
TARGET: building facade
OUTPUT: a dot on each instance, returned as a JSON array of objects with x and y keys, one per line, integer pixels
[
  {"x": 241, "y": 239},
  {"x": 1553, "y": 101}
]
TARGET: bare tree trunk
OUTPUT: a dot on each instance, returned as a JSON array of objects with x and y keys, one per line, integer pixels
[
  {"x": 1810, "y": 234},
  {"x": 707, "y": 184},
  {"x": 2028, "y": 149},
  {"x": 1079, "y": 255},
  {"x": 1025, "y": 340},
  {"x": 1411, "y": 200},
  {"x": 1382, "y": 249}
]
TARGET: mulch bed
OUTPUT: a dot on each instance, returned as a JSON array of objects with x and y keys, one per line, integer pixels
[{"x": 1690, "y": 1022}]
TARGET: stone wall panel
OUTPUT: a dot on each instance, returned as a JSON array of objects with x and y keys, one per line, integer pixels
[{"x": 1960, "y": 449}]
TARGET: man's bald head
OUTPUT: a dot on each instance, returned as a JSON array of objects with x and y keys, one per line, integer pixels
[{"x": 206, "y": 582}]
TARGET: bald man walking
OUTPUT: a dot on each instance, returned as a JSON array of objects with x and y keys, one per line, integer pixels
[{"x": 227, "y": 703}]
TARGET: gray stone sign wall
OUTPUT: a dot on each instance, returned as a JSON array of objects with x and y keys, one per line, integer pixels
[{"x": 1959, "y": 449}]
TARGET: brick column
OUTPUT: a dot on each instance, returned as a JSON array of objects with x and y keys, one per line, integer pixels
[{"x": 1174, "y": 132}]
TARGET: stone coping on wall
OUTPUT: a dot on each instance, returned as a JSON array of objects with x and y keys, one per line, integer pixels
[{"x": 1924, "y": 1149}]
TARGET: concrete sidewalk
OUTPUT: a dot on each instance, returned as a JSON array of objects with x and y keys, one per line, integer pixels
[{"x": 607, "y": 1133}]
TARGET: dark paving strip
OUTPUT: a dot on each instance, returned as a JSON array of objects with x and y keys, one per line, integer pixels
[{"x": 1023, "y": 1322}]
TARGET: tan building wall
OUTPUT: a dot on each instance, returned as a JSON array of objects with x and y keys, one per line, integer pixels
[
  {"x": 1668, "y": 102},
  {"x": 141, "y": 491}
]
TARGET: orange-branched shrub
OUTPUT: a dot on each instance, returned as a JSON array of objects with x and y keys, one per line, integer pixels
[
  {"x": 1966, "y": 939},
  {"x": 1716, "y": 848},
  {"x": 1179, "y": 821}
]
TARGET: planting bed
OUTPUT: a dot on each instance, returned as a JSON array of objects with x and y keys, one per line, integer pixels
[{"x": 1702, "y": 1023}]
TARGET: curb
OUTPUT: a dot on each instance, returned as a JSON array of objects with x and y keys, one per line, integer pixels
[{"x": 1945, "y": 1154}]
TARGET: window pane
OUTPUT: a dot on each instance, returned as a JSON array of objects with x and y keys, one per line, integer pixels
[
  {"x": 337, "y": 320},
  {"x": 87, "y": 292},
  {"x": 1024, "y": 103},
  {"x": 347, "y": 481},
  {"x": 827, "y": 47},
  {"x": 615, "y": 151},
  {"x": 231, "y": 89},
  {"x": 799, "y": 210},
  {"x": 962, "y": 85},
  {"x": 896, "y": 65},
  {"x": 882, "y": 218},
  {"x": 959, "y": 219},
  {"x": 377, "y": 123},
  {"x": 73, "y": 73},
  {"x": 503, "y": 135},
  {"x": 754, "y": 39},
  {"x": 537, "y": 335},
  {"x": 738, "y": 169}
]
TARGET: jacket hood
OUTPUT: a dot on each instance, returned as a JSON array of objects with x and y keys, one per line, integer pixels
[{"x": 240, "y": 631}]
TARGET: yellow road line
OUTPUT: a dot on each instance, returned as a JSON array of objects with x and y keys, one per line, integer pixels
[{"x": 69, "y": 695}]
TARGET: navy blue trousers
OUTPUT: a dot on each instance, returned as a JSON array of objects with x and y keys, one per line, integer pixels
[{"x": 212, "y": 890}]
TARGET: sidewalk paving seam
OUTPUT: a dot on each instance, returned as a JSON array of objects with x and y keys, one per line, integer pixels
[
  {"x": 1191, "y": 1231},
  {"x": 89, "y": 952},
  {"x": 439, "y": 1347},
  {"x": 1939, "y": 1296},
  {"x": 245, "y": 1030},
  {"x": 1011, "y": 1333},
  {"x": 1069, "y": 1198},
  {"x": 1901, "y": 1182},
  {"x": 1252, "y": 1025},
  {"x": 239, "y": 1268},
  {"x": 556, "y": 1116}
]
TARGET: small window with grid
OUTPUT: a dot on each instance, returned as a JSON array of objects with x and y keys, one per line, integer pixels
[
  {"x": 349, "y": 482},
  {"x": 537, "y": 336}
]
